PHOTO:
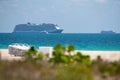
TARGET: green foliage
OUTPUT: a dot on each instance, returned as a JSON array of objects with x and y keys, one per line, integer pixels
[
  {"x": 78, "y": 57},
  {"x": 65, "y": 59},
  {"x": 59, "y": 49},
  {"x": 59, "y": 55},
  {"x": 31, "y": 55},
  {"x": 70, "y": 48},
  {"x": 39, "y": 56},
  {"x": 59, "y": 58}
]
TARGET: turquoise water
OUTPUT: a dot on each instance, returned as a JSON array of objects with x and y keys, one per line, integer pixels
[{"x": 80, "y": 41}]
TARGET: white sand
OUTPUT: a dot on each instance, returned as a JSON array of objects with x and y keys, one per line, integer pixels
[{"x": 105, "y": 55}]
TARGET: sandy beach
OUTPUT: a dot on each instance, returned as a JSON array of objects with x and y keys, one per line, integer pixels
[{"x": 105, "y": 55}]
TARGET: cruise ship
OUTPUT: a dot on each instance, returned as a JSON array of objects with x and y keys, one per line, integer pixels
[
  {"x": 108, "y": 32},
  {"x": 34, "y": 28}
]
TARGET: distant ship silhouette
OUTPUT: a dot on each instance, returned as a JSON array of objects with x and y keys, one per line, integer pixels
[
  {"x": 107, "y": 32},
  {"x": 33, "y": 28}
]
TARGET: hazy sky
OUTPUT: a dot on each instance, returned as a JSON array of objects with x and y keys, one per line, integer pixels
[{"x": 74, "y": 16}]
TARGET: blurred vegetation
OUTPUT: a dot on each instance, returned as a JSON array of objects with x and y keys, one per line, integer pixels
[
  {"x": 30, "y": 54},
  {"x": 61, "y": 66}
]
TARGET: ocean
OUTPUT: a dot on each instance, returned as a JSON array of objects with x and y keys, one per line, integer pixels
[{"x": 103, "y": 42}]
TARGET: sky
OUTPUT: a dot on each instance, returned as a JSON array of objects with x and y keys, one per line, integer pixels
[{"x": 74, "y": 16}]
